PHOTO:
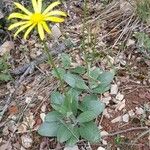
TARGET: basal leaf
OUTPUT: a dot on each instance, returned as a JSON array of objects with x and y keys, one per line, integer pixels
[
  {"x": 95, "y": 72},
  {"x": 61, "y": 72},
  {"x": 74, "y": 138},
  {"x": 49, "y": 129},
  {"x": 53, "y": 116},
  {"x": 92, "y": 105},
  {"x": 86, "y": 116},
  {"x": 75, "y": 81},
  {"x": 66, "y": 61},
  {"x": 57, "y": 98},
  {"x": 64, "y": 133},
  {"x": 90, "y": 132},
  {"x": 73, "y": 98},
  {"x": 79, "y": 70},
  {"x": 101, "y": 89},
  {"x": 106, "y": 78}
]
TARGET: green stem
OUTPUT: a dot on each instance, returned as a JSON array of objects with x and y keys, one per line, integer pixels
[{"x": 51, "y": 62}]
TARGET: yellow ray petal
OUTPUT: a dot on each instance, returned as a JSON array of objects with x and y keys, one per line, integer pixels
[
  {"x": 22, "y": 28},
  {"x": 23, "y": 8},
  {"x": 54, "y": 19},
  {"x": 19, "y": 15},
  {"x": 39, "y": 3},
  {"x": 28, "y": 31},
  {"x": 46, "y": 28},
  {"x": 40, "y": 31},
  {"x": 17, "y": 24},
  {"x": 35, "y": 6},
  {"x": 56, "y": 13},
  {"x": 50, "y": 7}
]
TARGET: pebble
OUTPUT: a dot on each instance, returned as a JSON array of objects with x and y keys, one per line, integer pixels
[
  {"x": 101, "y": 148},
  {"x": 106, "y": 100},
  {"x": 119, "y": 96},
  {"x": 139, "y": 111},
  {"x": 131, "y": 113},
  {"x": 26, "y": 141},
  {"x": 125, "y": 118},
  {"x": 71, "y": 148},
  {"x": 104, "y": 133},
  {"x": 114, "y": 89}
]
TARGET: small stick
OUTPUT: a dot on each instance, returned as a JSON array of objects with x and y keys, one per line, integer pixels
[{"x": 127, "y": 130}]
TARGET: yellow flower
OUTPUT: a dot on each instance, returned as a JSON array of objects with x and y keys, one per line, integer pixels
[{"x": 29, "y": 20}]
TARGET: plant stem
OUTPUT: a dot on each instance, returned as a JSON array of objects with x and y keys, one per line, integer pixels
[{"x": 51, "y": 62}]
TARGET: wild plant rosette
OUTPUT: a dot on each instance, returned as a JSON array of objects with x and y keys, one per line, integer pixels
[{"x": 28, "y": 20}]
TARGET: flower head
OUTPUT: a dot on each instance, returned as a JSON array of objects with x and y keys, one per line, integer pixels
[{"x": 29, "y": 20}]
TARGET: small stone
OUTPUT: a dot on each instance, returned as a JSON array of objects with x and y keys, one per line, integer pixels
[
  {"x": 139, "y": 111},
  {"x": 71, "y": 148},
  {"x": 104, "y": 142},
  {"x": 106, "y": 100},
  {"x": 106, "y": 114},
  {"x": 104, "y": 133},
  {"x": 125, "y": 118},
  {"x": 131, "y": 113},
  {"x": 42, "y": 116},
  {"x": 114, "y": 89},
  {"x": 130, "y": 42},
  {"x": 119, "y": 96},
  {"x": 101, "y": 148},
  {"x": 43, "y": 108},
  {"x": 28, "y": 100},
  {"x": 26, "y": 141}
]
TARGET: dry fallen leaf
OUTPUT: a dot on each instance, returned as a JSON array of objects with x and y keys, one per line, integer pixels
[
  {"x": 56, "y": 31},
  {"x": 28, "y": 123},
  {"x": 13, "y": 110},
  {"x": 120, "y": 105},
  {"x": 6, "y": 47},
  {"x": 117, "y": 119}
]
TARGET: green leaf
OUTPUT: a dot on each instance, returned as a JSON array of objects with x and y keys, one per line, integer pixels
[
  {"x": 73, "y": 98},
  {"x": 90, "y": 132},
  {"x": 57, "y": 98},
  {"x": 64, "y": 133},
  {"x": 5, "y": 77},
  {"x": 93, "y": 83},
  {"x": 106, "y": 78},
  {"x": 75, "y": 81},
  {"x": 86, "y": 116},
  {"x": 61, "y": 72},
  {"x": 95, "y": 72},
  {"x": 65, "y": 59},
  {"x": 91, "y": 97},
  {"x": 49, "y": 129},
  {"x": 79, "y": 70},
  {"x": 101, "y": 89},
  {"x": 53, "y": 116},
  {"x": 74, "y": 138},
  {"x": 90, "y": 103}
]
